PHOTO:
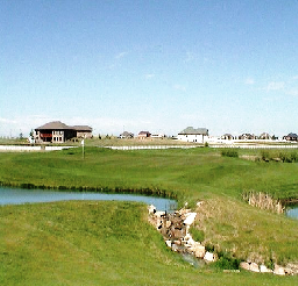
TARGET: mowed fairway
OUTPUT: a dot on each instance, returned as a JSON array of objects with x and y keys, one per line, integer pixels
[{"x": 111, "y": 243}]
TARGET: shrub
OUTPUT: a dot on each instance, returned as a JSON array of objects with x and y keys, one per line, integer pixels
[
  {"x": 230, "y": 153},
  {"x": 197, "y": 234},
  {"x": 226, "y": 261},
  {"x": 209, "y": 247}
]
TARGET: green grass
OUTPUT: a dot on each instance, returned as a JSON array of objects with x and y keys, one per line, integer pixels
[
  {"x": 225, "y": 221},
  {"x": 98, "y": 243}
]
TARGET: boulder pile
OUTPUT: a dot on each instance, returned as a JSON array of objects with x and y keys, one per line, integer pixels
[{"x": 175, "y": 230}]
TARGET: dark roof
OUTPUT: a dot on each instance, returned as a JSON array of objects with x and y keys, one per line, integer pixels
[
  {"x": 54, "y": 125},
  {"x": 191, "y": 131},
  {"x": 144, "y": 133},
  {"x": 58, "y": 125},
  {"x": 82, "y": 128},
  {"x": 127, "y": 134},
  {"x": 292, "y": 135}
]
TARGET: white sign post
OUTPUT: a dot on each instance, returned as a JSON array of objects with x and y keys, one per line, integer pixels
[{"x": 83, "y": 150}]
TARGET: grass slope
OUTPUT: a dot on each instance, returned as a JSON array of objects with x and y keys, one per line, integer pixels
[
  {"x": 228, "y": 223},
  {"x": 97, "y": 243}
]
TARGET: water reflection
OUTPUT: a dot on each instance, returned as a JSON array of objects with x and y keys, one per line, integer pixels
[
  {"x": 14, "y": 196},
  {"x": 292, "y": 210}
]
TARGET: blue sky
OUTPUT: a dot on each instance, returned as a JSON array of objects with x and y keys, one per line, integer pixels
[{"x": 229, "y": 66}]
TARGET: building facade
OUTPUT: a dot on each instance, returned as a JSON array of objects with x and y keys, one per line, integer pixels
[
  {"x": 59, "y": 132},
  {"x": 190, "y": 134}
]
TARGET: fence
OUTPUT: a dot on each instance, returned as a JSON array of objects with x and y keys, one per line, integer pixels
[
  {"x": 153, "y": 147},
  {"x": 19, "y": 148},
  {"x": 255, "y": 146}
]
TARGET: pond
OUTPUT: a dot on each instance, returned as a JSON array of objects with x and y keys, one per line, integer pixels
[
  {"x": 292, "y": 210},
  {"x": 14, "y": 196}
]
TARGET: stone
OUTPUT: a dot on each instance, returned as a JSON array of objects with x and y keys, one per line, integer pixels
[
  {"x": 279, "y": 270},
  {"x": 264, "y": 269},
  {"x": 168, "y": 224},
  {"x": 244, "y": 265},
  {"x": 209, "y": 256},
  {"x": 174, "y": 247},
  {"x": 189, "y": 240},
  {"x": 254, "y": 267},
  {"x": 190, "y": 217},
  {"x": 159, "y": 214},
  {"x": 168, "y": 243},
  {"x": 199, "y": 251},
  {"x": 152, "y": 209},
  {"x": 199, "y": 203}
]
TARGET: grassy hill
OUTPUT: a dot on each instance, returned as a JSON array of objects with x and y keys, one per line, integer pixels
[{"x": 84, "y": 243}]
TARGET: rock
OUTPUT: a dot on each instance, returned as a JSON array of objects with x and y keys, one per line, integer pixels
[
  {"x": 199, "y": 251},
  {"x": 168, "y": 243},
  {"x": 190, "y": 217},
  {"x": 244, "y": 265},
  {"x": 174, "y": 247},
  {"x": 293, "y": 267},
  {"x": 199, "y": 203},
  {"x": 254, "y": 267},
  {"x": 209, "y": 256},
  {"x": 159, "y": 214},
  {"x": 168, "y": 224},
  {"x": 264, "y": 269},
  {"x": 188, "y": 240},
  {"x": 279, "y": 270},
  {"x": 152, "y": 209}
]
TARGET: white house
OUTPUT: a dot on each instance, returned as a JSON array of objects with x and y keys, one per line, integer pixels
[{"x": 193, "y": 135}]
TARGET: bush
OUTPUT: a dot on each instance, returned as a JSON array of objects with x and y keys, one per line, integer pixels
[
  {"x": 226, "y": 261},
  {"x": 197, "y": 234},
  {"x": 230, "y": 153}
]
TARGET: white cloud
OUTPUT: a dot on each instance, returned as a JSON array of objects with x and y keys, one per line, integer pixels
[
  {"x": 249, "y": 81},
  {"x": 121, "y": 55},
  {"x": 8, "y": 121},
  {"x": 149, "y": 75},
  {"x": 293, "y": 92},
  {"x": 179, "y": 87},
  {"x": 275, "y": 85}
]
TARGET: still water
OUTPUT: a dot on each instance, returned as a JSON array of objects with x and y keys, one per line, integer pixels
[
  {"x": 15, "y": 196},
  {"x": 292, "y": 211}
]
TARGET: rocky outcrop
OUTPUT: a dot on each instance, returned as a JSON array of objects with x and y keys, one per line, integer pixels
[{"x": 175, "y": 230}]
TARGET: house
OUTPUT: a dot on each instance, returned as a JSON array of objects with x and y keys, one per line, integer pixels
[
  {"x": 291, "y": 137},
  {"x": 144, "y": 134},
  {"x": 227, "y": 136},
  {"x": 158, "y": 136},
  {"x": 59, "y": 132},
  {"x": 247, "y": 136},
  {"x": 265, "y": 136},
  {"x": 126, "y": 135},
  {"x": 190, "y": 134}
]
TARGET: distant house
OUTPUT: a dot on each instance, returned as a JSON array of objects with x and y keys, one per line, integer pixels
[
  {"x": 247, "y": 136},
  {"x": 158, "y": 136},
  {"x": 265, "y": 136},
  {"x": 144, "y": 134},
  {"x": 190, "y": 134},
  {"x": 227, "y": 136},
  {"x": 291, "y": 137},
  {"x": 126, "y": 135},
  {"x": 59, "y": 132}
]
